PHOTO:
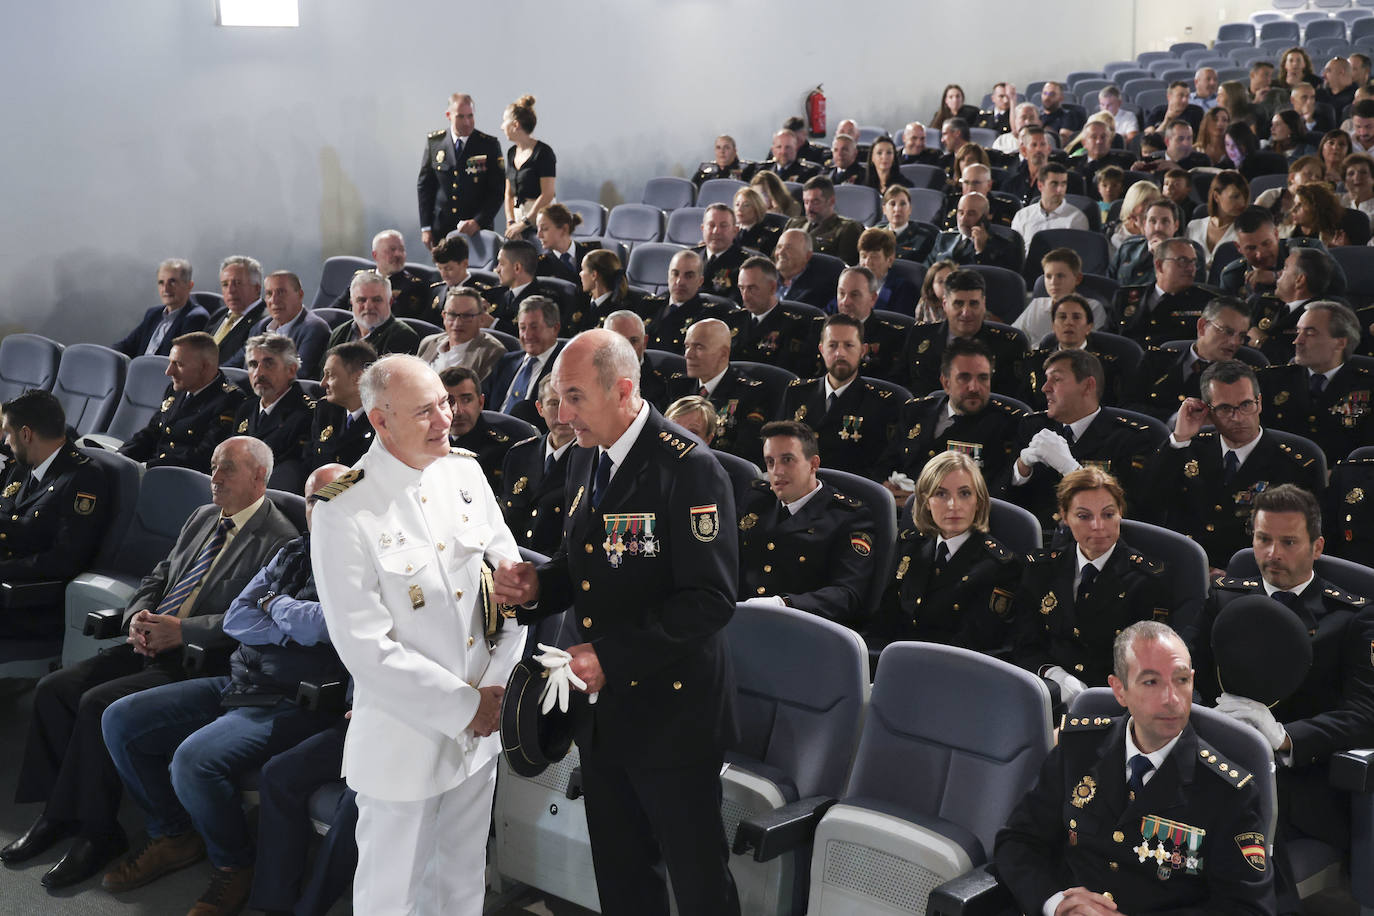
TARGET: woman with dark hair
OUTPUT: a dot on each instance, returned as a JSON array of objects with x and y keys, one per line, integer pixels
[
  {"x": 1359, "y": 183},
  {"x": 1288, "y": 135},
  {"x": 562, "y": 255},
  {"x": 931, "y": 308},
  {"x": 1240, "y": 143},
  {"x": 1228, "y": 198},
  {"x": 883, "y": 171},
  {"x": 1316, "y": 214},
  {"x": 914, "y": 240},
  {"x": 758, "y": 228},
  {"x": 530, "y": 170},
  {"x": 1295, "y": 67},
  {"x": 1211, "y": 136},
  {"x": 1235, "y": 98},
  {"x": 1333, "y": 149},
  {"x": 775, "y": 194},
  {"x": 604, "y": 290},
  {"x": 952, "y": 106}
]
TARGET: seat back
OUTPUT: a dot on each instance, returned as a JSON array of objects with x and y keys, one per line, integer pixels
[
  {"x": 927, "y": 205},
  {"x": 684, "y": 226},
  {"x": 923, "y": 176},
  {"x": 1090, "y": 246},
  {"x": 292, "y": 505},
  {"x": 421, "y": 327},
  {"x": 879, "y": 502},
  {"x": 593, "y": 217},
  {"x": 144, "y": 389},
  {"x": 89, "y": 381},
  {"x": 1187, "y": 574},
  {"x": 669, "y": 193},
  {"x": 741, "y": 471},
  {"x": 1236, "y": 31},
  {"x": 1358, "y": 265},
  {"x": 514, "y": 427},
  {"x": 648, "y": 267},
  {"x": 27, "y": 361},
  {"x": 634, "y": 223},
  {"x": 1006, "y": 291},
  {"x": 719, "y": 191},
  {"x": 335, "y": 276},
  {"x": 1283, "y": 29},
  {"x": 858, "y": 202},
  {"x": 332, "y": 316},
  {"x": 123, "y": 475},
  {"x": 483, "y": 248},
  {"x": 614, "y": 246},
  {"x": 1014, "y": 526},
  {"x": 775, "y": 381},
  {"x": 167, "y": 498}
]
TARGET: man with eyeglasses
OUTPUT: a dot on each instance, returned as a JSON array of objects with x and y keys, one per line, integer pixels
[
  {"x": 1169, "y": 308},
  {"x": 462, "y": 342},
  {"x": 1213, "y": 476},
  {"x": 1320, "y": 395},
  {"x": 1134, "y": 261},
  {"x": 1167, "y": 378},
  {"x": 978, "y": 178}
]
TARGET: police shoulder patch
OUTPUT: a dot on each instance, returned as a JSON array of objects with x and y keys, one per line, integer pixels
[{"x": 340, "y": 484}]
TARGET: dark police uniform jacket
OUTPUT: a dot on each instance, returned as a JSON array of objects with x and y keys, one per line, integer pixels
[
  {"x": 504, "y": 306},
  {"x": 1349, "y": 511},
  {"x": 721, "y": 271},
  {"x": 966, "y": 603},
  {"x": 852, "y": 175},
  {"x": 1152, "y": 320},
  {"x": 1202, "y": 506},
  {"x": 854, "y": 433},
  {"x": 799, "y": 170},
  {"x": 490, "y": 445},
  {"x": 1081, "y": 827},
  {"x": 1001, "y": 211},
  {"x": 1232, "y": 279},
  {"x": 650, "y": 576},
  {"x": 391, "y": 336},
  {"x": 742, "y": 406},
  {"x": 410, "y": 296},
  {"x": 1030, "y": 373},
  {"x": 531, "y": 500},
  {"x": 551, "y": 265},
  {"x": 1331, "y": 711},
  {"x": 1278, "y": 327},
  {"x": 332, "y": 440},
  {"x": 665, "y": 324},
  {"x": 187, "y": 428},
  {"x": 1340, "y": 419},
  {"x": 819, "y": 559},
  {"x": 835, "y": 235},
  {"x": 584, "y": 314},
  {"x": 763, "y": 235},
  {"x": 785, "y": 337},
  {"x": 51, "y": 529},
  {"x": 919, "y": 367},
  {"x": 988, "y": 437},
  {"x": 1161, "y": 384},
  {"x": 452, "y": 188},
  {"x": 1053, "y": 628},
  {"x": 914, "y": 241},
  {"x": 438, "y": 295},
  {"x": 709, "y": 170},
  {"x": 286, "y": 429}
]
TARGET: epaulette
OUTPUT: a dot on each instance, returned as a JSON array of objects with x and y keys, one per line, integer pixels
[
  {"x": 1344, "y": 597},
  {"x": 922, "y": 398},
  {"x": 1133, "y": 424},
  {"x": 1222, "y": 766},
  {"x": 1004, "y": 333},
  {"x": 1235, "y": 583},
  {"x": 677, "y": 375},
  {"x": 998, "y": 550},
  {"x": 1296, "y": 455},
  {"x": 1348, "y": 462},
  {"x": 229, "y": 387},
  {"x": 801, "y": 381},
  {"x": 758, "y": 483},
  {"x": 676, "y": 444},
  {"x": 1086, "y": 723},
  {"x": 497, "y": 435},
  {"x": 436, "y": 134},
  {"x": 849, "y": 501},
  {"x": 437, "y": 283},
  {"x": 77, "y": 455},
  {"x": 752, "y": 382},
  {"x": 1043, "y": 555},
  {"x": 1009, "y": 409},
  {"x": 1153, "y": 567},
  {"x": 338, "y": 485},
  {"x": 523, "y": 441},
  {"x": 462, "y": 452}
]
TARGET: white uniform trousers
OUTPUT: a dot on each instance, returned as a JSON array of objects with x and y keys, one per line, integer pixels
[{"x": 427, "y": 857}]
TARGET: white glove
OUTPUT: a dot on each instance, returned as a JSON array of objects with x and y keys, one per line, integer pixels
[
  {"x": 1069, "y": 686},
  {"x": 901, "y": 481},
  {"x": 1030, "y": 455},
  {"x": 556, "y": 662},
  {"x": 1054, "y": 451},
  {"x": 1255, "y": 714}
]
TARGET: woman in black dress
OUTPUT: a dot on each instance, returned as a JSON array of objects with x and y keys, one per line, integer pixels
[{"x": 530, "y": 170}]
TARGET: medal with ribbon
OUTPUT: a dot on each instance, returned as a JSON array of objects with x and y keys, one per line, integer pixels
[
  {"x": 629, "y": 532},
  {"x": 1183, "y": 845}
]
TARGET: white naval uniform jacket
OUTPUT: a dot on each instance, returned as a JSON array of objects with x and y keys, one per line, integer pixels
[{"x": 395, "y": 539}]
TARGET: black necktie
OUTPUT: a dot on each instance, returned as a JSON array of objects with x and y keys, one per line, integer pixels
[
  {"x": 567, "y": 260},
  {"x": 1198, "y": 366},
  {"x": 549, "y": 462},
  {"x": 1140, "y": 765},
  {"x": 830, "y": 402},
  {"x": 602, "y": 479},
  {"x": 348, "y": 421},
  {"x": 941, "y": 555},
  {"x": 1085, "y": 584},
  {"x": 1316, "y": 384},
  {"x": 1066, "y": 431},
  {"x": 703, "y": 392},
  {"x": 1231, "y": 464},
  {"x": 1287, "y": 599},
  {"x": 457, "y": 149}
]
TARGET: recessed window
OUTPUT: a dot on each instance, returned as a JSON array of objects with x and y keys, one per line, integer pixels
[{"x": 276, "y": 13}]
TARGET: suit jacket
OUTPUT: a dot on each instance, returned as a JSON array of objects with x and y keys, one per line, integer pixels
[
  {"x": 483, "y": 353},
  {"x": 1339, "y": 419},
  {"x": 52, "y": 529},
  {"x": 286, "y": 431},
  {"x": 256, "y": 543},
  {"x": 1080, "y": 827},
  {"x": 897, "y": 294},
  {"x": 310, "y": 334},
  {"x": 330, "y": 441},
  {"x": 231, "y": 347},
  {"x": 391, "y": 336},
  {"x": 452, "y": 188},
  {"x": 399, "y": 575},
  {"x": 655, "y": 609},
  {"x": 742, "y": 405},
  {"x": 998, "y": 252},
  {"x": 190, "y": 317},
  {"x": 1054, "y": 628},
  {"x": 187, "y": 427},
  {"x": 507, "y": 368},
  {"x": 988, "y": 437},
  {"x": 532, "y": 500},
  {"x": 853, "y": 433},
  {"x": 919, "y": 366},
  {"x": 665, "y": 324}
]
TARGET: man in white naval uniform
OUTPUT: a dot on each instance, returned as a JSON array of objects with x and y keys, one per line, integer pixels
[{"x": 398, "y": 562}]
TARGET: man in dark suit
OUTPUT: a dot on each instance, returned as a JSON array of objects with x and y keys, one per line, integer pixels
[
  {"x": 1306, "y": 276},
  {"x": 649, "y": 565},
  {"x": 197, "y": 411},
  {"x": 1169, "y": 308},
  {"x": 972, "y": 242},
  {"x": 370, "y": 296},
  {"x": 721, "y": 255},
  {"x": 462, "y": 176},
  {"x": 532, "y": 477},
  {"x": 1213, "y": 477},
  {"x": 1176, "y": 108},
  {"x": 469, "y": 429},
  {"x": 965, "y": 310},
  {"x": 1320, "y": 395},
  {"x": 742, "y": 404},
  {"x": 1332, "y": 710},
  {"x": 667, "y": 318},
  {"x": 843, "y": 166},
  {"x": 852, "y": 418},
  {"x": 513, "y": 384},
  {"x": 802, "y": 277},
  {"x": 1167, "y": 378},
  {"x": 517, "y": 266},
  {"x": 726, "y": 164},
  {"x": 765, "y": 331},
  {"x": 286, "y": 314},
  {"x": 340, "y": 431},
  {"x": 220, "y": 548},
  {"x": 282, "y": 413},
  {"x": 54, "y": 507},
  {"x": 1079, "y": 838},
  {"x": 240, "y": 284},
  {"x": 164, "y": 323},
  {"x": 410, "y": 296},
  {"x": 784, "y": 161}
]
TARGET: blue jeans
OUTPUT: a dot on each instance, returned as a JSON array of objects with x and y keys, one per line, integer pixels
[{"x": 182, "y": 756}]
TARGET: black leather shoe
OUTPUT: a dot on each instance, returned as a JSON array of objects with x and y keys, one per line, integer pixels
[
  {"x": 40, "y": 836},
  {"x": 86, "y": 859}
]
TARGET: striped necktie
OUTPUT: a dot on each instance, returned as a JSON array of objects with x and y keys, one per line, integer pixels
[{"x": 172, "y": 602}]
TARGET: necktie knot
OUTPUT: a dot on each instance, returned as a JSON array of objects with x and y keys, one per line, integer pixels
[
  {"x": 941, "y": 555},
  {"x": 1316, "y": 383},
  {"x": 1086, "y": 579},
  {"x": 1066, "y": 431},
  {"x": 1287, "y": 599},
  {"x": 1140, "y": 765},
  {"x": 549, "y": 462},
  {"x": 1231, "y": 464},
  {"x": 830, "y": 401}
]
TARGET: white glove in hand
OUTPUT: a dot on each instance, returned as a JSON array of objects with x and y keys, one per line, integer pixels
[
  {"x": 1054, "y": 451},
  {"x": 556, "y": 662},
  {"x": 1069, "y": 686},
  {"x": 898, "y": 479},
  {"x": 1030, "y": 455},
  {"x": 1255, "y": 714}
]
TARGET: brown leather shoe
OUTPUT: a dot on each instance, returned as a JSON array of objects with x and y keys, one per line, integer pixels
[
  {"x": 155, "y": 858},
  {"x": 227, "y": 893}
]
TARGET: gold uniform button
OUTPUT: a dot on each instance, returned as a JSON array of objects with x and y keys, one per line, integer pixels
[
  {"x": 589, "y": 548},
  {"x": 677, "y": 685},
  {"x": 634, "y": 683},
  {"x": 1078, "y": 668},
  {"x": 1108, "y": 895},
  {"x": 410, "y": 568},
  {"x": 587, "y": 623},
  {"x": 767, "y": 567},
  {"x": 586, "y": 586},
  {"x": 1118, "y": 837},
  {"x": 1112, "y": 866},
  {"x": 770, "y": 545},
  {"x": 801, "y": 559},
  {"x": 458, "y": 593},
  {"x": 761, "y": 589},
  {"x": 469, "y": 642},
  {"x": 424, "y": 499},
  {"x": 1210, "y": 528},
  {"x": 956, "y": 607},
  {"x": 441, "y": 545}
]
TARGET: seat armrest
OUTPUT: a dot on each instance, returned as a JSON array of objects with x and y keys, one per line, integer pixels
[
  {"x": 771, "y": 833},
  {"x": 574, "y": 790},
  {"x": 193, "y": 658},
  {"x": 1353, "y": 771},
  {"x": 48, "y": 593},
  {"x": 974, "y": 893},
  {"x": 326, "y": 699},
  {"x": 106, "y": 623}
]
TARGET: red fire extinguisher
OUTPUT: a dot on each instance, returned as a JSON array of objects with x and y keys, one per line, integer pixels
[{"x": 815, "y": 112}]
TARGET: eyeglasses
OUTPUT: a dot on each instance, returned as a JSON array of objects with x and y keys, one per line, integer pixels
[
  {"x": 1224, "y": 331},
  {"x": 1227, "y": 411},
  {"x": 1186, "y": 261},
  {"x": 461, "y": 316}
]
